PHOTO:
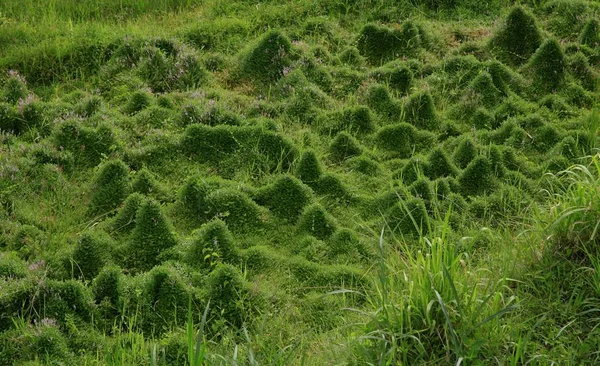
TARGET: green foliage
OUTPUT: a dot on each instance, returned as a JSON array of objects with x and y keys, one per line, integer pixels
[
  {"x": 344, "y": 146},
  {"x": 309, "y": 169},
  {"x": 91, "y": 254},
  {"x": 230, "y": 295},
  {"x": 547, "y": 67},
  {"x": 380, "y": 44},
  {"x": 364, "y": 165},
  {"x": 146, "y": 183},
  {"x": 331, "y": 186},
  {"x": 286, "y": 197},
  {"x": 316, "y": 221},
  {"x": 422, "y": 188},
  {"x": 236, "y": 209},
  {"x": 29, "y": 241},
  {"x": 414, "y": 169},
  {"x": 464, "y": 153},
  {"x": 210, "y": 245},
  {"x": 398, "y": 77},
  {"x": 194, "y": 193},
  {"x": 107, "y": 287},
  {"x": 484, "y": 90},
  {"x": 9, "y": 119},
  {"x": 439, "y": 164},
  {"x": 11, "y": 266},
  {"x": 343, "y": 242},
  {"x": 420, "y": 111},
  {"x": 351, "y": 56},
  {"x": 88, "y": 145},
  {"x": 42, "y": 342},
  {"x": 590, "y": 35},
  {"x": 124, "y": 221},
  {"x": 264, "y": 60},
  {"x": 110, "y": 187},
  {"x": 408, "y": 218},
  {"x": 478, "y": 177},
  {"x": 580, "y": 69},
  {"x": 404, "y": 139},
  {"x": 137, "y": 102},
  {"x": 14, "y": 88},
  {"x": 150, "y": 237},
  {"x": 517, "y": 38}
]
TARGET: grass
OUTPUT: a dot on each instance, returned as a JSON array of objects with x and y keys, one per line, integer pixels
[{"x": 310, "y": 197}]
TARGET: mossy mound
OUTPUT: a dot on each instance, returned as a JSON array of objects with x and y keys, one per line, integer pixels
[
  {"x": 343, "y": 242},
  {"x": 91, "y": 254},
  {"x": 464, "y": 153},
  {"x": 193, "y": 195},
  {"x": 344, "y": 146},
  {"x": 547, "y": 67},
  {"x": 286, "y": 197},
  {"x": 309, "y": 168},
  {"x": 423, "y": 189},
  {"x": 363, "y": 165},
  {"x": 381, "y": 44},
  {"x": 580, "y": 69},
  {"x": 439, "y": 164},
  {"x": 146, "y": 183},
  {"x": 351, "y": 56},
  {"x": 151, "y": 237},
  {"x": 408, "y": 218},
  {"x": 31, "y": 344},
  {"x": 230, "y": 295},
  {"x": 420, "y": 111},
  {"x": 124, "y": 221},
  {"x": 29, "y": 241},
  {"x": 477, "y": 178},
  {"x": 108, "y": 285},
  {"x": 494, "y": 153},
  {"x": 399, "y": 78},
  {"x": 9, "y": 119},
  {"x": 483, "y": 119},
  {"x": 404, "y": 139},
  {"x": 330, "y": 186},
  {"x": 14, "y": 88},
  {"x": 517, "y": 39},
  {"x": 415, "y": 168},
  {"x": 264, "y": 60},
  {"x": 484, "y": 92},
  {"x": 11, "y": 266},
  {"x": 357, "y": 120},
  {"x": 590, "y": 35},
  {"x": 316, "y": 221},
  {"x": 110, "y": 187},
  {"x": 378, "y": 98},
  {"x": 213, "y": 243},
  {"x": 88, "y": 145},
  {"x": 236, "y": 209},
  {"x": 137, "y": 102}
]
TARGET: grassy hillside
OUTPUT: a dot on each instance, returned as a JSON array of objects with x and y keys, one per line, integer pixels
[{"x": 299, "y": 183}]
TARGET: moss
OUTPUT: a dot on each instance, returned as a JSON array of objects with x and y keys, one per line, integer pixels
[
  {"x": 316, "y": 222},
  {"x": 230, "y": 295},
  {"x": 344, "y": 146},
  {"x": 124, "y": 221},
  {"x": 236, "y": 209},
  {"x": 485, "y": 91},
  {"x": 408, "y": 218},
  {"x": 397, "y": 77},
  {"x": 379, "y": 99},
  {"x": 439, "y": 164},
  {"x": 151, "y": 236},
  {"x": 414, "y": 169},
  {"x": 351, "y": 56},
  {"x": 420, "y": 111},
  {"x": 110, "y": 187},
  {"x": 403, "y": 139},
  {"x": 88, "y": 145},
  {"x": 212, "y": 244},
  {"x": 364, "y": 165},
  {"x": 380, "y": 44},
  {"x": 464, "y": 152},
  {"x": 478, "y": 177},
  {"x": 547, "y": 67},
  {"x": 146, "y": 183},
  {"x": 580, "y": 69},
  {"x": 309, "y": 168},
  {"x": 590, "y": 35},
  {"x": 331, "y": 186},
  {"x": 264, "y": 60},
  {"x": 286, "y": 197},
  {"x": 91, "y": 254},
  {"x": 137, "y": 102},
  {"x": 517, "y": 38}
]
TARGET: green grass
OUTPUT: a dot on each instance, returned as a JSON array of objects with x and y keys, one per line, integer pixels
[{"x": 299, "y": 183}]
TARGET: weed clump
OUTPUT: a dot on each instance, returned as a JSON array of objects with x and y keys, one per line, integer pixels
[
  {"x": 517, "y": 39},
  {"x": 317, "y": 222},
  {"x": 477, "y": 178},
  {"x": 547, "y": 67},
  {"x": 439, "y": 164},
  {"x": 309, "y": 168},
  {"x": 265, "y": 60},
  {"x": 420, "y": 111},
  {"x": 286, "y": 197},
  {"x": 235, "y": 208},
  {"x": 344, "y": 146},
  {"x": 110, "y": 187},
  {"x": 151, "y": 236},
  {"x": 91, "y": 254},
  {"x": 212, "y": 244},
  {"x": 380, "y": 44},
  {"x": 590, "y": 35},
  {"x": 464, "y": 153}
]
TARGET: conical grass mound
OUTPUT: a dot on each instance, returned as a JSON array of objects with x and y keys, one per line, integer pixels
[
  {"x": 213, "y": 243},
  {"x": 590, "y": 35},
  {"x": 439, "y": 164},
  {"x": 547, "y": 67},
  {"x": 381, "y": 44},
  {"x": 265, "y": 60},
  {"x": 316, "y": 221},
  {"x": 151, "y": 236},
  {"x": 286, "y": 197},
  {"x": 309, "y": 168},
  {"x": 478, "y": 177},
  {"x": 420, "y": 111},
  {"x": 344, "y": 146},
  {"x": 110, "y": 187},
  {"x": 517, "y": 39}
]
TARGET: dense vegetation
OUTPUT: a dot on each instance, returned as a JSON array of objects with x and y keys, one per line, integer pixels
[{"x": 299, "y": 182}]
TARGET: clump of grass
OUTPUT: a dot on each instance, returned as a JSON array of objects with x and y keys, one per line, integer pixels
[
  {"x": 309, "y": 168},
  {"x": 14, "y": 88},
  {"x": 137, "y": 102},
  {"x": 465, "y": 152},
  {"x": 547, "y": 67},
  {"x": 88, "y": 145},
  {"x": 440, "y": 165},
  {"x": 380, "y": 44},
  {"x": 517, "y": 38},
  {"x": 213, "y": 243},
  {"x": 404, "y": 139},
  {"x": 398, "y": 77},
  {"x": 264, "y": 61},
  {"x": 590, "y": 35},
  {"x": 408, "y": 218},
  {"x": 378, "y": 98},
  {"x": 420, "y": 111},
  {"x": 344, "y": 146},
  {"x": 316, "y": 221},
  {"x": 146, "y": 183},
  {"x": 151, "y": 237},
  {"x": 110, "y": 187},
  {"x": 286, "y": 197},
  {"x": 91, "y": 254},
  {"x": 478, "y": 177},
  {"x": 580, "y": 69},
  {"x": 124, "y": 221},
  {"x": 236, "y": 209}
]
